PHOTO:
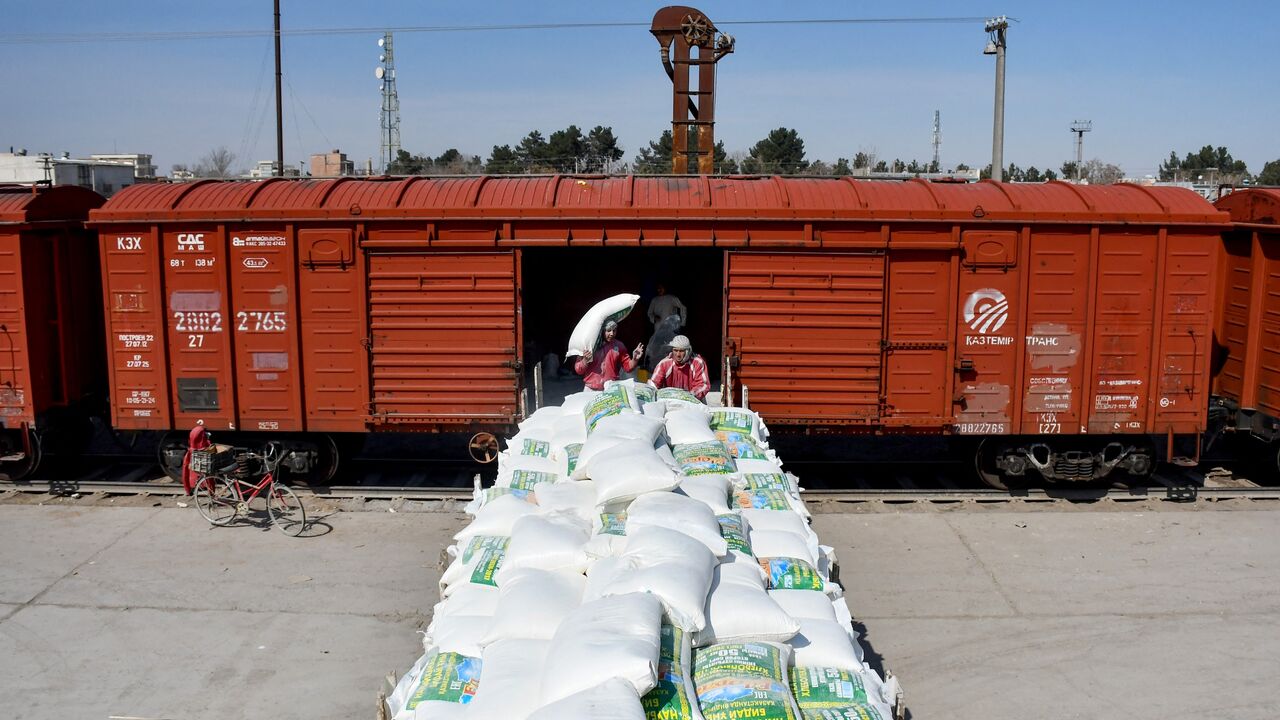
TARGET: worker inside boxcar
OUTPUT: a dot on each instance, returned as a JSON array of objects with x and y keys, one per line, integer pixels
[
  {"x": 607, "y": 362},
  {"x": 663, "y": 306},
  {"x": 683, "y": 369}
]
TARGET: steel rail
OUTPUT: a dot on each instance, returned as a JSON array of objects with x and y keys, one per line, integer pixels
[{"x": 848, "y": 496}]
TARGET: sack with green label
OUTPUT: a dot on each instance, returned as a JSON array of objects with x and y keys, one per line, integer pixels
[
  {"x": 704, "y": 458},
  {"x": 674, "y": 698},
  {"x": 731, "y": 419},
  {"x": 836, "y": 694},
  {"x": 474, "y": 561},
  {"x": 744, "y": 680},
  {"x": 441, "y": 684}
]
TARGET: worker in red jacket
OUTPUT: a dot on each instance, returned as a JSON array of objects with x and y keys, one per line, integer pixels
[
  {"x": 682, "y": 369},
  {"x": 197, "y": 439},
  {"x": 609, "y": 361}
]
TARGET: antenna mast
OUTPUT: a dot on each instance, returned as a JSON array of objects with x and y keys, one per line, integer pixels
[
  {"x": 937, "y": 140},
  {"x": 390, "y": 118},
  {"x": 1080, "y": 127}
]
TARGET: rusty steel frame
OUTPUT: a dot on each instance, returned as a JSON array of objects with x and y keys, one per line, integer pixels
[{"x": 679, "y": 31}]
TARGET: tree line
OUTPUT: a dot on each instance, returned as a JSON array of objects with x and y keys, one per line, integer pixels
[{"x": 781, "y": 152}]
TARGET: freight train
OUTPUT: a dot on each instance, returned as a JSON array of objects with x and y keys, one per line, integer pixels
[{"x": 1062, "y": 330}]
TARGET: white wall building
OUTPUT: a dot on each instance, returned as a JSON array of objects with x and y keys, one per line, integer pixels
[
  {"x": 267, "y": 168},
  {"x": 143, "y": 169},
  {"x": 104, "y": 178}
]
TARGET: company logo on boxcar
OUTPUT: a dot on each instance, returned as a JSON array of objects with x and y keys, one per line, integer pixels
[{"x": 986, "y": 311}]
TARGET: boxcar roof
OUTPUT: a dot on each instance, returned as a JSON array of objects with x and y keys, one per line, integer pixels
[
  {"x": 638, "y": 197},
  {"x": 1256, "y": 205},
  {"x": 27, "y": 204}
]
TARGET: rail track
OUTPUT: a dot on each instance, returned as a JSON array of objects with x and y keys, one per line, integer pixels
[
  {"x": 831, "y": 485},
  {"x": 822, "y": 500}
]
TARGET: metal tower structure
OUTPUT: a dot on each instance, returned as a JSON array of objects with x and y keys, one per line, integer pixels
[
  {"x": 1080, "y": 127},
  {"x": 386, "y": 72},
  {"x": 698, "y": 46},
  {"x": 937, "y": 140}
]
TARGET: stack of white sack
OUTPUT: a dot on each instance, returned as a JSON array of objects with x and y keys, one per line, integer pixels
[{"x": 641, "y": 555}]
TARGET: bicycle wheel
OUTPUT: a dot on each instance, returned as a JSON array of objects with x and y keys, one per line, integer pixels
[
  {"x": 217, "y": 500},
  {"x": 286, "y": 510}
]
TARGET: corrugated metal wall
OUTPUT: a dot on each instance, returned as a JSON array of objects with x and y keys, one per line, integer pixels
[
  {"x": 807, "y": 330},
  {"x": 445, "y": 337}
]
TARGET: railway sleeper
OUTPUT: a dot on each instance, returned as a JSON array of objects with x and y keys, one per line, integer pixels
[{"x": 1075, "y": 465}]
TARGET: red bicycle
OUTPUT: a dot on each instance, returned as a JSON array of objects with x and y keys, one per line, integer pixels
[{"x": 228, "y": 490}]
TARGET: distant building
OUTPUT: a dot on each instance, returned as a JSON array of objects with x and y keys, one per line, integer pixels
[
  {"x": 1208, "y": 191},
  {"x": 267, "y": 168},
  {"x": 143, "y": 169},
  {"x": 332, "y": 164},
  {"x": 104, "y": 178}
]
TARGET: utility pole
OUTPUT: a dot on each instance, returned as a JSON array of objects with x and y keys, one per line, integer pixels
[
  {"x": 279, "y": 169},
  {"x": 1080, "y": 127},
  {"x": 390, "y": 118},
  {"x": 996, "y": 29}
]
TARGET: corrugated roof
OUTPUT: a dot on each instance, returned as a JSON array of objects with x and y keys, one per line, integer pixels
[
  {"x": 1256, "y": 205},
  {"x": 659, "y": 197},
  {"x": 25, "y": 204}
]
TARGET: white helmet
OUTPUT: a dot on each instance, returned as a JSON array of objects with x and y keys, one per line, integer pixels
[{"x": 680, "y": 342}]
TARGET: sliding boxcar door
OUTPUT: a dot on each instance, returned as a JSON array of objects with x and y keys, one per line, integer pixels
[
  {"x": 444, "y": 337},
  {"x": 806, "y": 329}
]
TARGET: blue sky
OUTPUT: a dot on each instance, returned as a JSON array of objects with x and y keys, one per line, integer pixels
[{"x": 1153, "y": 77}]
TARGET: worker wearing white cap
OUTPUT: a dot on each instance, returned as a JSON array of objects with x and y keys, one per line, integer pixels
[
  {"x": 683, "y": 369},
  {"x": 605, "y": 363}
]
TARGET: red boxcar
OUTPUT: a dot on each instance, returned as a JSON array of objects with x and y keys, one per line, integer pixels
[
  {"x": 1069, "y": 325},
  {"x": 50, "y": 316},
  {"x": 1246, "y": 384}
]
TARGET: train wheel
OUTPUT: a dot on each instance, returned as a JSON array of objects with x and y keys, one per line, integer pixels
[
  {"x": 170, "y": 453},
  {"x": 984, "y": 466},
  {"x": 1148, "y": 447},
  {"x": 483, "y": 447},
  {"x": 327, "y": 462},
  {"x": 27, "y": 464}
]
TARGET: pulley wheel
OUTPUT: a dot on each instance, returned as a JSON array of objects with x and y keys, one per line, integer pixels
[{"x": 483, "y": 447}]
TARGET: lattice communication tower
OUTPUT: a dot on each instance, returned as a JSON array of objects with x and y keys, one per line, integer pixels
[{"x": 390, "y": 118}]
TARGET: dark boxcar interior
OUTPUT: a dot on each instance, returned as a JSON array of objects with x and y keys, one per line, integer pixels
[{"x": 560, "y": 284}]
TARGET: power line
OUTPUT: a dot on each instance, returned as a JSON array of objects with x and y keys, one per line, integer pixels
[{"x": 167, "y": 35}]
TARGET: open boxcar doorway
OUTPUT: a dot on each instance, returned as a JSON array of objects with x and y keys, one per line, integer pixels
[{"x": 560, "y": 284}]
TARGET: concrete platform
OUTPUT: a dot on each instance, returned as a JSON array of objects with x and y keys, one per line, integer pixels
[
  {"x": 146, "y": 612},
  {"x": 150, "y": 613},
  {"x": 1070, "y": 615}
]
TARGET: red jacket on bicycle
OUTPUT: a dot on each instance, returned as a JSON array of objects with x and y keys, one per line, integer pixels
[{"x": 198, "y": 439}]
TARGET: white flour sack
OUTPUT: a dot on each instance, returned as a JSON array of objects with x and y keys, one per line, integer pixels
[
  {"x": 551, "y": 541},
  {"x": 532, "y": 603},
  {"x": 512, "y": 687},
  {"x": 630, "y": 469},
  {"x": 671, "y": 566},
  {"x": 680, "y": 513},
  {"x": 613, "y": 699},
  {"x": 612, "y": 637},
  {"x": 738, "y": 608},
  {"x": 587, "y": 333}
]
